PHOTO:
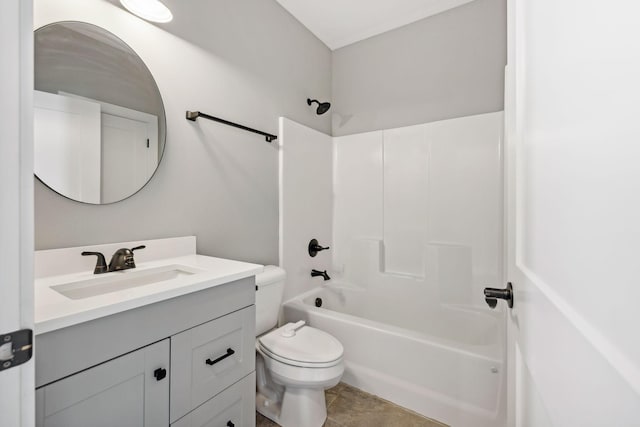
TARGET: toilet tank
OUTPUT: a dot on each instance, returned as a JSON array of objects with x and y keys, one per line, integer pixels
[{"x": 269, "y": 290}]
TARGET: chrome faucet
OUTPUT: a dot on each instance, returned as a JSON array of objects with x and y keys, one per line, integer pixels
[
  {"x": 122, "y": 259},
  {"x": 325, "y": 276}
]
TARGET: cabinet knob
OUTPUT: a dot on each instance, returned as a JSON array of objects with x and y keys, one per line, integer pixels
[
  {"x": 160, "y": 374},
  {"x": 230, "y": 424}
]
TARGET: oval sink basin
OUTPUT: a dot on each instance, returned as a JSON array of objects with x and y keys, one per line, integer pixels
[{"x": 121, "y": 280}]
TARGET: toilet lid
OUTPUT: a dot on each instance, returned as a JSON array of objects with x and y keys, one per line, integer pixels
[{"x": 308, "y": 345}]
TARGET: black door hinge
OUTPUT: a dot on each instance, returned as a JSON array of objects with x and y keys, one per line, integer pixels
[{"x": 16, "y": 348}]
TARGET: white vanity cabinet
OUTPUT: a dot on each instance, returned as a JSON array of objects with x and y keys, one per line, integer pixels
[{"x": 110, "y": 371}]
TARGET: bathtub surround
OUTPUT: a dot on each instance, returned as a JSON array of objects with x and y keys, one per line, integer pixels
[
  {"x": 445, "y": 66},
  {"x": 424, "y": 211},
  {"x": 306, "y": 204},
  {"x": 215, "y": 182}
]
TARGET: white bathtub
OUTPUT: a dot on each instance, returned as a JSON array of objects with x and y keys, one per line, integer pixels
[{"x": 443, "y": 362}]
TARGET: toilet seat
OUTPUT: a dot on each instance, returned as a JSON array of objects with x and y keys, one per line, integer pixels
[
  {"x": 312, "y": 377},
  {"x": 296, "y": 363},
  {"x": 306, "y": 347}
]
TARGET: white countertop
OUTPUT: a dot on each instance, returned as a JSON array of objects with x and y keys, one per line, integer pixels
[{"x": 55, "y": 311}]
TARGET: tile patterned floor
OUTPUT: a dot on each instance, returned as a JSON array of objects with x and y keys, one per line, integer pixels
[{"x": 350, "y": 407}]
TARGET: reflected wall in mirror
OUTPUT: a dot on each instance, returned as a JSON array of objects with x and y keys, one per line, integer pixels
[{"x": 99, "y": 122}]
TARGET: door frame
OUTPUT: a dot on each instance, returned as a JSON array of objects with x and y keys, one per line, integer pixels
[{"x": 17, "y": 384}]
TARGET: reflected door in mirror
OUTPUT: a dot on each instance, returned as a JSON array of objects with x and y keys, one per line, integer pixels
[{"x": 129, "y": 155}]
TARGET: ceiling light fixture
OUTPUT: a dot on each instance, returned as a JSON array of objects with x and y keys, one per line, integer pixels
[{"x": 151, "y": 10}]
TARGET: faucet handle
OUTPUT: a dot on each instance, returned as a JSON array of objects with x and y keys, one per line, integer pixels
[
  {"x": 122, "y": 259},
  {"x": 101, "y": 263},
  {"x": 314, "y": 247}
]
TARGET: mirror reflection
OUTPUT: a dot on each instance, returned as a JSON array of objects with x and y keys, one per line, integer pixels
[{"x": 99, "y": 119}]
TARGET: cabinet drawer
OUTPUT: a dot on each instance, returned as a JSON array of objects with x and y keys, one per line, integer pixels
[
  {"x": 233, "y": 407},
  {"x": 209, "y": 358}
]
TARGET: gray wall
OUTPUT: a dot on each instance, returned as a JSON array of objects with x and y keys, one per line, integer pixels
[
  {"x": 248, "y": 61},
  {"x": 448, "y": 65}
]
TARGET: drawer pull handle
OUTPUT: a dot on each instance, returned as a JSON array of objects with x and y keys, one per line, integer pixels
[
  {"x": 230, "y": 352},
  {"x": 230, "y": 424}
]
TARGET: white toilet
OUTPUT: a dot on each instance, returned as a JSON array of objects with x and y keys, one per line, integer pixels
[{"x": 294, "y": 363}]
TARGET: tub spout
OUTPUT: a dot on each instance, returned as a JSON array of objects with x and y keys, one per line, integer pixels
[{"x": 324, "y": 274}]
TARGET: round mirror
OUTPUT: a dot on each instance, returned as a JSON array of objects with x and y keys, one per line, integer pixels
[{"x": 99, "y": 122}]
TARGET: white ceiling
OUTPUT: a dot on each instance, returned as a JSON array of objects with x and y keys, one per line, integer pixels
[{"x": 341, "y": 22}]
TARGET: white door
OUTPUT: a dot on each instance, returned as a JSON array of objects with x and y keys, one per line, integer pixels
[
  {"x": 16, "y": 204},
  {"x": 129, "y": 155},
  {"x": 573, "y": 209}
]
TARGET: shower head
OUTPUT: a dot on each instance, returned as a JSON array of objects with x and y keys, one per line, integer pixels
[{"x": 323, "y": 107}]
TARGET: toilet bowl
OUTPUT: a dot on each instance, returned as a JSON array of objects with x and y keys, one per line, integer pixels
[{"x": 294, "y": 363}]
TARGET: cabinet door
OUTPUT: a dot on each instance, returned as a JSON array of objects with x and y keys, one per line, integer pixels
[
  {"x": 209, "y": 358},
  {"x": 124, "y": 392},
  {"x": 236, "y": 406}
]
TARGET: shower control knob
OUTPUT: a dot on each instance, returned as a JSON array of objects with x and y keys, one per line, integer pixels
[
  {"x": 492, "y": 295},
  {"x": 314, "y": 248}
]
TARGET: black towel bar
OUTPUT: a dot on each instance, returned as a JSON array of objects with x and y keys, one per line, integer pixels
[{"x": 193, "y": 115}]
